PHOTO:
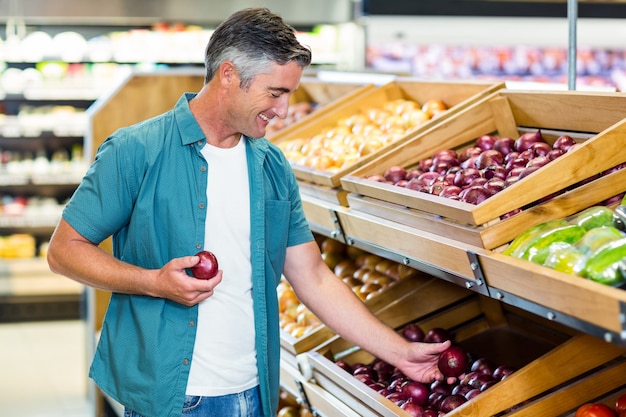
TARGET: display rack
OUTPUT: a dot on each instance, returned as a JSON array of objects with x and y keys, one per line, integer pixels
[{"x": 591, "y": 310}]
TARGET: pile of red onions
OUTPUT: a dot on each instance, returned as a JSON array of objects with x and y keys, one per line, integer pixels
[
  {"x": 480, "y": 171},
  {"x": 437, "y": 398}
]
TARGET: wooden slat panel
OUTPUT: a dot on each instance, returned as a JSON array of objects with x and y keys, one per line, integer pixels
[
  {"x": 446, "y": 254},
  {"x": 583, "y": 299},
  {"x": 574, "y": 395}
]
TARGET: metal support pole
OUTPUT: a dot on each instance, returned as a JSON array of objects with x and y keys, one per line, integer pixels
[{"x": 572, "y": 17}]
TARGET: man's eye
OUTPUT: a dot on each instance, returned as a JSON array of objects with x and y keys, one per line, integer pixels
[{"x": 275, "y": 95}]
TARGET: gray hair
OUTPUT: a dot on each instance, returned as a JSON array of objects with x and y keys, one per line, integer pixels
[{"x": 252, "y": 39}]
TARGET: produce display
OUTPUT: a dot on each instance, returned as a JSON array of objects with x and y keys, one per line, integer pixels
[
  {"x": 295, "y": 113},
  {"x": 590, "y": 244},
  {"x": 342, "y": 144},
  {"x": 475, "y": 375},
  {"x": 367, "y": 274},
  {"x": 478, "y": 172}
]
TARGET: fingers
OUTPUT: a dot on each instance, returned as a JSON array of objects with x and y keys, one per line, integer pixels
[
  {"x": 185, "y": 262},
  {"x": 177, "y": 285}
]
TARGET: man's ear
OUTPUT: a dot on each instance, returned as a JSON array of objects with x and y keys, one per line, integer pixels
[{"x": 228, "y": 73}]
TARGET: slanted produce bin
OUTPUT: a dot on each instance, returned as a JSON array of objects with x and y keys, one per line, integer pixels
[
  {"x": 564, "y": 186},
  {"x": 551, "y": 375},
  {"x": 320, "y": 174}
]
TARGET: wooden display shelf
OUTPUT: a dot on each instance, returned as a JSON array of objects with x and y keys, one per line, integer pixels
[
  {"x": 533, "y": 346},
  {"x": 595, "y": 120},
  {"x": 455, "y": 95}
]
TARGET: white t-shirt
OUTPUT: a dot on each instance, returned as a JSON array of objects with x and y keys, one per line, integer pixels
[{"x": 224, "y": 358}]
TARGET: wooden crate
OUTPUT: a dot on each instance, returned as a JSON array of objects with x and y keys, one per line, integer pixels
[
  {"x": 455, "y": 95},
  {"x": 534, "y": 346},
  {"x": 595, "y": 120},
  {"x": 324, "y": 96},
  {"x": 413, "y": 296}
]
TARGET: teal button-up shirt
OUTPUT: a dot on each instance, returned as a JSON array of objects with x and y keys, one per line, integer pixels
[{"x": 147, "y": 188}]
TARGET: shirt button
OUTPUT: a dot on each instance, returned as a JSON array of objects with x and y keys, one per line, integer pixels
[
  {"x": 198, "y": 245},
  {"x": 185, "y": 361},
  {"x": 200, "y": 143},
  {"x": 201, "y": 205},
  {"x": 203, "y": 168}
]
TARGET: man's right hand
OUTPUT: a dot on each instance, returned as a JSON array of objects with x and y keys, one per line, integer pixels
[{"x": 175, "y": 284}]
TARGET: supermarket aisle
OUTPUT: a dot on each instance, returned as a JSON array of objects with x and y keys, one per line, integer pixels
[{"x": 43, "y": 368}]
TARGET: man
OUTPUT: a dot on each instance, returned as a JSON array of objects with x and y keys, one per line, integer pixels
[{"x": 193, "y": 178}]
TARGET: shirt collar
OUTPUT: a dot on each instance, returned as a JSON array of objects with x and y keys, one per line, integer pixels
[{"x": 190, "y": 131}]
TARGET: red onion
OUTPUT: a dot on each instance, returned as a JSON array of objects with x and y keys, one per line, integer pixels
[
  {"x": 475, "y": 194},
  {"x": 486, "y": 142},
  {"x": 538, "y": 161},
  {"x": 451, "y": 402},
  {"x": 488, "y": 158},
  {"x": 540, "y": 148},
  {"x": 495, "y": 171},
  {"x": 413, "y": 332},
  {"x": 526, "y": 139},
  {"x": 413, "y": 173},
  {"x": 425, "y": 164},
  {"x": 441, "y": 167},
  {"x": 504, "y": 145},
  {"x": 495, "y": 185},
  {"x": 564, "y": 142},
  {"x": 510, "y": 156},
  {"x": 469, "y": 152},
  {"x": 511, "y": 180},
  {"x": 450, "y": 191},
  {"x": 377, "y": 178},
  {"x": 413, "y": 409},
  {"x": 529, "y": 170},
  {"x": 469, "y": 162},
  {"x": 437, "y": 186},
  {"x": 442, "y": 153},
  {"x": 472, "y": 393},
  {"x": 397, "y": 397},
  {"x": 395, "y": 173},
  {"x": 428, "y": 177},
  {"x": 515, "y": 163},
  {"x": 555, "y": 153},
  {"x": 417, "y": 391},
  {"x": 449, "y": 157},
  {"x": 436, "y": 335}
]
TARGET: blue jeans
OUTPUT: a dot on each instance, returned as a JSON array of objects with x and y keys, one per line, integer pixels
[{"x": 244, "y": 404}]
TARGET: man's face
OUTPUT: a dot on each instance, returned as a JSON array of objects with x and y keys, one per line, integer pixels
[{"x": 266, "y": 98}]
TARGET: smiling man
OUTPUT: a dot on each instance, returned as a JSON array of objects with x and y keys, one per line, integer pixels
[{"x": 201, "y": 176}]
